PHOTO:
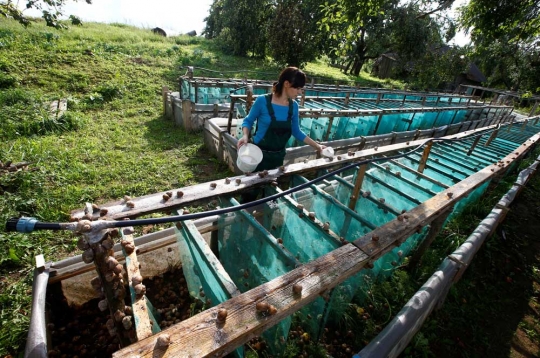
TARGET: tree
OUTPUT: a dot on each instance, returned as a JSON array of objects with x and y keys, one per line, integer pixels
[
  {"x": 488, "y": 20},
  {"x": 370, "y": 28},
  {"x": 506, "y": 36},
  {"x": 438, "y": 67},
  {"x": 239, "y": 25},
  {"x": 294, "y": 37},
  {"x": 347, "y": 21},
  {"x": 51, "y": 10}
]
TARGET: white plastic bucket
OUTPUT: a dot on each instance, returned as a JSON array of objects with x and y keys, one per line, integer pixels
[
  {"x": 249, "y": 156},
  {"x": 328, "y": 152}
]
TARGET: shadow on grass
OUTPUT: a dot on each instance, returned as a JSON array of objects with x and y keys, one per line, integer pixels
[{"x": 163, "y": 135}]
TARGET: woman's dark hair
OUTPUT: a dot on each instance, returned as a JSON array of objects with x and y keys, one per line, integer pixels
[{"x": 295, "y": 76}]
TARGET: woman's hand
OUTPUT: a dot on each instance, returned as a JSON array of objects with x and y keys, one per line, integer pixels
[
  {"x": 242, "y": 141},
  {"x": 320, "y": 148}
]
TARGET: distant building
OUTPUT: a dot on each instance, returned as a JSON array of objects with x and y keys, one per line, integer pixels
[{"x": 473, "y": 77}]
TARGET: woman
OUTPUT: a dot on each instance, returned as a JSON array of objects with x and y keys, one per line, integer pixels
[{"x": 277, "y": 118}]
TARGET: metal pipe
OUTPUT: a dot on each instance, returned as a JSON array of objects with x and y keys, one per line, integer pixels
[{"x": 36, "y": 341}]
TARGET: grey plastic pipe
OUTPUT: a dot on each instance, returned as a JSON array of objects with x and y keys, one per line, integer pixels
[{"x": 36, "y": 341}]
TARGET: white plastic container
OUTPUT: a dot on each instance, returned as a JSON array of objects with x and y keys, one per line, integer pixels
[
  {"x": 249, "y": 156},
  {"x": 328, "y": 152}
]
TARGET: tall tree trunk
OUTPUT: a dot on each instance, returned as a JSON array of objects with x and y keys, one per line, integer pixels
[
  {"x": 346, "y": 69},
  {"x": 358, "y": 64}
]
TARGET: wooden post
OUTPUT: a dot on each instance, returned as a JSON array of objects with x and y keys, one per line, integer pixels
[
  {"x": 411, "y": 121},
  {"x": 378, "y": 123},
  {"x": 425, "y": 156},
  {"x": 525, "y": 122},
  {"x": 492, "y": 136},
  {"x": 357, "y": 186},
  {"x": 196, "y": 92},
  {"x": 434, "y": 229},
  {"x": 231, "y": 110},
  {"x": 454, "y": 117},
  {"x": 186, "y": 114},
  {"x": 533, "y": 110},
  {"x": 164, "y": 93},
  {"x": 249, "y": 98},
  {"x": 346, "y": 98},
  {"x": 143, "y": 320},
  {"x": 379, "y": 97},
  {"x": 216, "y": 110},
  {"x": 109, "y": 280},
  {"x": 329, "y": 129},
  {"x": 303, "y": 99},
  {"x": 362, "y": 143},
  {"x": 436, "y": 118},
  {"x": 477, "y": 139},
  {"x": 510, "y": 125}
]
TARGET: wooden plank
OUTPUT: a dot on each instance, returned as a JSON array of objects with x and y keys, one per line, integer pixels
[
  {"x": 492, "y": 137},
  {"x": 139, "y": 305},
  {"x": 203, "y": 336},
  {"x": 211, "y": 259},
  {"x": 425, "y": 155},
  {"x": 203, "y": 192},
  {"x": 475, "y": 142},
  {"x": 357, "y": 186}
]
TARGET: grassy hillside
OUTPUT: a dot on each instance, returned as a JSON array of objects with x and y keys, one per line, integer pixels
[{"x": 111, "y": 142}]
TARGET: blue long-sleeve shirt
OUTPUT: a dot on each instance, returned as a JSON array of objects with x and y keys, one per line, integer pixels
[{"x": 259, "y": 111}]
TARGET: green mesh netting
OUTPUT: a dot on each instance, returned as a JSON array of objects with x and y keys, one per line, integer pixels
[
  {"x": 252, "y": 257},
  {"x": 203, "y": 280}
]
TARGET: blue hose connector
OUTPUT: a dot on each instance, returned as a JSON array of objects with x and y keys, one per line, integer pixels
[{"x": 24, "y": 224}]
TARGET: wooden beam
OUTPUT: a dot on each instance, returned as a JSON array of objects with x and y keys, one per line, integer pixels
[
  {"x": 231, "y": 111},
  {"x": 357, "y": 186},
  {"x": 492, "y": 137},
  {"x": 201, "y": 193},
  {"x": 328, "y": 129},
  {"x": 434, "y": 229},
  {"x": 204, "y": 336},
  {"x": 141, "y": 317},
  {"x": 425, "y": 156},
  {"x": 474, "y": 144},
  {"x": 525, "y": 122}
]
